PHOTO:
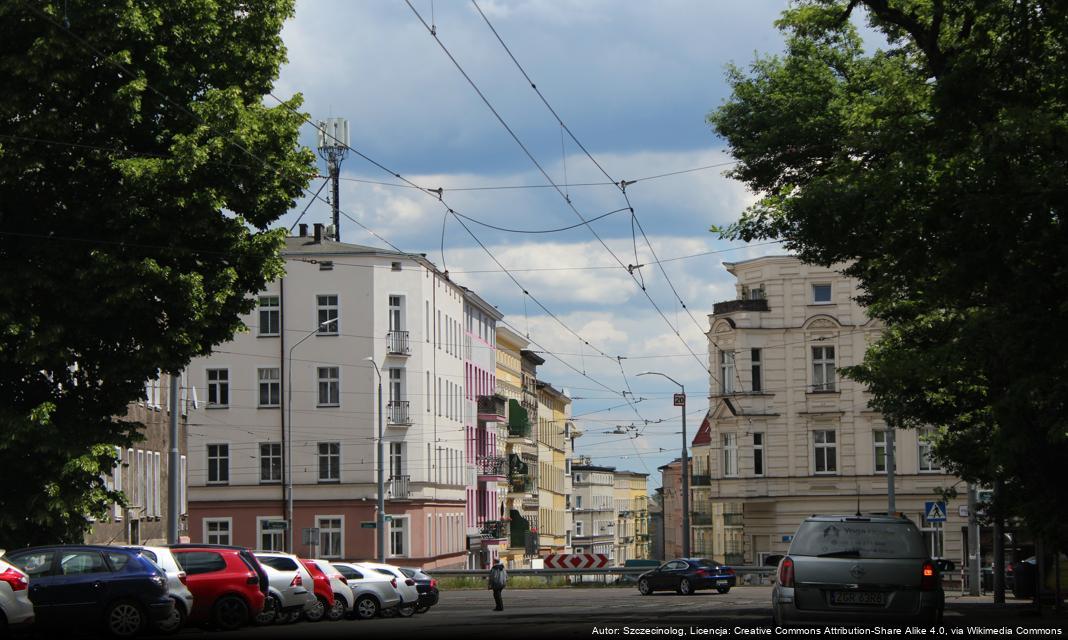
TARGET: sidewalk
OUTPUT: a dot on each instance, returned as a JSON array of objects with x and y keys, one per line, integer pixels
[{"x": 981, "y": 611}]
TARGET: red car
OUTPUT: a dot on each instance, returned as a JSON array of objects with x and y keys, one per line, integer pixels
[
  {"x": 324, "y": 593},
  {"x": 228, "y": 584}
]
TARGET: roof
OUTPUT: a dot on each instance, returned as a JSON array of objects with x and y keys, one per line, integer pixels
[
  {"x": 510, "y": 336},
  {"x": 637, "y": 474},
  {"x": 479, "y": 302},
  {"x": 730, "y": 266},
  {"x": 533, "y": 357},
  {"x": 704, "y": 433},
  {"x": 590, "y": 467}
]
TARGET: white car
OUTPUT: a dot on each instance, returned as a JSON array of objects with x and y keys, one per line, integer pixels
[
  {"x": 340, "y": 586},
  {"x": 372, "y": 591},
  {"x": 405, "y": 586},
  {"x": 176, "y": 588},
  {"x": 16, "y": 610},
  {"x": 290, "y": 589}
]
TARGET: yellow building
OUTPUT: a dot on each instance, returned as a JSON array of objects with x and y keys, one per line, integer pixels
[
  {"x": 554, "y": 412},
  {"x": 632, "y": 516}
]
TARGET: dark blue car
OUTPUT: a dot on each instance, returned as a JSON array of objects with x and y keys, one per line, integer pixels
[
  {"x": 118, "y": 590},
  {"x": 687, "y": 575}
]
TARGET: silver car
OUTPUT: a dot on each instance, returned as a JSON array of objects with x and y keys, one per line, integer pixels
[
  {"x": 858, "y": 569},
  {"x": 372, "y": 591},
  {"x": 16, "y": 610},
  {"x": 405, "y": 586},
  {"x": 176, "y": 588},
  {"x": 290, "y": 590},
  {"x": 343, "y": 597}
]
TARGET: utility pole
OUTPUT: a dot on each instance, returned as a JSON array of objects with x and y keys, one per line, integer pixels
[
  {"x": 380, "y": 519},
  {"x": 891, "y": 462},
  {"x": 333, "y": 144},
  {"x": 973, "y": 542},
  {"x": 999, "y": 546},
  {"x": 174, "y": 463},
  {"x": 680, "y": 401}
]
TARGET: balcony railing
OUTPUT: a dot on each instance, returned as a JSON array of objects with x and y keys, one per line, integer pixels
[
  {"x": 495, "y": 530},
  {"x": 730, "y": 306},
  {"x": 397, "y": 412},
  {"x": 518, "y": 483},
  {"x": 491, "y": 407},
  {"x": 701, "y": 518},
  {"x": 398, "y": 487},
  {"x": 701, "y": 481},
  {"x": 397, "y": 343},
  {"x": 492, "y": 466},
  {"x": 733, "y": 519}
]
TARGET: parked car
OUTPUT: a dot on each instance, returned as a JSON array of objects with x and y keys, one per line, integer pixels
[
  {"x": 289, "y": 592},
  {"x": 405, "y": 586},
  {"x": 329, "y": 584},
  {"x": 229, "y": 585},
  {"x": 372, "y": 592},
  {"x": 686, "y": 576},
  {"x": 858, "y": 569},
  {"x": 16, "y": 609},
  {"x": 176, "y": 588},
  {"x": 427, "y": 587},
  {"x": 118, "y": 589}
]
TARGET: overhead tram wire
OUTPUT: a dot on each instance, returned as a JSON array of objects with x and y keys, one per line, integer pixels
[{"x": 629, "y": 268}]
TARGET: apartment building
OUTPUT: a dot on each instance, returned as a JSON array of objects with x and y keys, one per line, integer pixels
[
  {"x": 671, "y": 508},
  {"x": 786, "y": 435},
  {"x": 716, "y": 525},
  {"x": 632, "y": 515},
  {"x": 554, "y": 419},
  {"x": 486, "y": 464},
  {"x": 293, "y": 402},
  {"x": 143, "y": 472},
  {"x": 594, "y": 507}
]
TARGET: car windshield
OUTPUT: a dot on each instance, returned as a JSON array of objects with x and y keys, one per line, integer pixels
[{"x": 858, "y": 539}]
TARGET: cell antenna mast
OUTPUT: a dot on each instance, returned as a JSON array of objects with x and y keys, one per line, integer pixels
[{"x": 333, "y": 144}]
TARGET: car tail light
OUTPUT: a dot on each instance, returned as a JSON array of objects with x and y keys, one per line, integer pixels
[
  {"x": 393, "y": 581},
  {"x": 929, "y": 577},
  {"x": 296, "y": 581},
  {"x": 410, "y": 582},
  {"x": 728, "y": 571},
  {"x": 786, "y": 572},
  {"x": 15, "y": 578},
  {"x": 183, "y": 578},
  {"x": 342, "y": 578},
  {"x": 701, "y": 573},
  {"x": 252, "y": 579},
  {"x": 433, "y": 583}
]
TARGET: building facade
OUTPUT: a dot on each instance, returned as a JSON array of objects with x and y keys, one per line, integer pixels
[
  {"x": 632, "y": 515},
  {"x": 294, "y": 402},
  {"x": 787, "y": 436},
  {"x": 554, "y": 417},
  {"x": 671, "y": 508},
  {"x": 594, "y": 507}
]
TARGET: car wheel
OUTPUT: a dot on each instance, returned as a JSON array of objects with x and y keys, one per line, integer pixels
[
  {"x": 685, "y": 588},
  {"x": 337, "y": 611},
  {"x": 423, "y": 608},
  {"x": 317, "y": 611},
  {"x": 124, "y": 619},
  {"x": 723, "y": 589},
  {"x": 174, "y": 623},
  {"x": 644, "y": 587},
  {"x": 229, "y": 613},
  {"x": 389, "y": 613},
  {"x": 269, "y": 615},
  {"x": 366, "y": 607},
  {"x": 406, "y": 610},
  {"x": 289, "y": 618}
]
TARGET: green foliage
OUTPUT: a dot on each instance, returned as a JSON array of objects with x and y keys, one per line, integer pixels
[
  {"x": 134, "y": 206},
  {"x": 935, "y": 168}
]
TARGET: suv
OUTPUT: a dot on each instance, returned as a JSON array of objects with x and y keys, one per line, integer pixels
[
  {"x": 16, "y": 610},
  {"x": 72, "y": 585},
  {"x": 290, "y": 587},
  {"x": 859, "y": 569},
  {"x": 228, "y": 584}
]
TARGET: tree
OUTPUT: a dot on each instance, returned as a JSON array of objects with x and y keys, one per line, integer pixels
[
  {"x": 139, "y": 171},
  {"x": 935, "y": 167}
]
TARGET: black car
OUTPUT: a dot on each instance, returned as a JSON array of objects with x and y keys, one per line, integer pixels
[
  {"x": 118, "y": 589},
  {"x": 687, "y": 575},
  {"x": 427, "y": 586}
]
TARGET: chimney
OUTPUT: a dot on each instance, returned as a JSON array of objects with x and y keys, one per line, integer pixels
[
  {"x": 303, "y": 230},
  {"x": 318, "y": 232}
]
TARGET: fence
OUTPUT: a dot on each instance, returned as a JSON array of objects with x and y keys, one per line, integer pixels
[{"x": 610, "y": 574}]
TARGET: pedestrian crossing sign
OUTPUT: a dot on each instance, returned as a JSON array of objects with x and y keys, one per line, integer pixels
[{"x": 934, "y": 512}]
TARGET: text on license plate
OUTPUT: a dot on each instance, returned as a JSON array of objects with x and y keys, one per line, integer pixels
[
  {"x": 873, "y": 598},
  {"x": 721, "y": 583}
]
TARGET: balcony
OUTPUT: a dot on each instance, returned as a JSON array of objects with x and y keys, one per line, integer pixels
[
  {"x": 518, "y": 422},
  {"x": 399, "y": 487},
  {"x": 520, "y": 528},
  {"x": 701, "y": 518},
  {"x": 733, "y": 519},
  {"x": 731, "y": 306},
  {"x": 495, "y": 530},
  {"x": 701, "y": 481},
  {"x": 398, "y": 414},
  {"x": 521, "y": 480},
  {"x": 397, "y": 343},
  {"x": 491, "y": 408},
  {"x": 491, "y": 467}
]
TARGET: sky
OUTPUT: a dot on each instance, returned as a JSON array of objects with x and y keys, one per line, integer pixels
[{"x": 634, "y": 83}]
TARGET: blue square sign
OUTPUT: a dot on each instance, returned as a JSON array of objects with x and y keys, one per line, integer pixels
[{"x": 934, "y": 511}]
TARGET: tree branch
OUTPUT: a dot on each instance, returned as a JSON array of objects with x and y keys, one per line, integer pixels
[{"x": 926, "y": 38}]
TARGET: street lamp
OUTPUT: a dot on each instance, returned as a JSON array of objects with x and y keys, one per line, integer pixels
[
  {"x": 380, "y": 519},
  {"x": 289, "y": 433},
  {"x": 685, "y": 467}
]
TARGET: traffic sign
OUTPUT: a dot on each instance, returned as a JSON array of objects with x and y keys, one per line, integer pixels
[
  {"x": 368, "y": 525},
  {"x": 934, "y": 511},
  {"x": 576, "y": 561},
  {"x": 311, "y": 535},
  {"x": 680, "y": 399},
  {"x": 274, "y": 525}
]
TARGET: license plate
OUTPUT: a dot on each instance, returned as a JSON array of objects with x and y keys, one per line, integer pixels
[
  {"x": 870, "y": 598},
  {"x": 721, "y": 583}
]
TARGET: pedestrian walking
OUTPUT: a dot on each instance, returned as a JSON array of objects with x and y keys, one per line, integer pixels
[{"x": 498, "y": 580}]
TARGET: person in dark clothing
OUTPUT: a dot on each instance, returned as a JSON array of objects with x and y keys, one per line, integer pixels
[{"x": 498, "y": 580}]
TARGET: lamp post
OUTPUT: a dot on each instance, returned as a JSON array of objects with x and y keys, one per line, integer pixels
[
  {"x": 380, "y": 519},
  {"x": 685, "y": 467},
  {"x": 289, "y": 435}
]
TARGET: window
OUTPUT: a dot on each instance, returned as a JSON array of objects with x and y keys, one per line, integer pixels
[
  {"x": 395, "y": 313},
  {"x": 825, "y": 451},
  {"x": 758, "y": 454},
  {"x": 198, "y": 562},
  {"x": 331, "y": 542},
  {"x": 329, "y": 386},
  {"x": 270, "y": 539},
  {"x": 726, "y": 371},
  {"x": 270, "y": 316},
  {"x": 879, "y": 438},
  {"x": 326, "y": 265},
  {"x": 270, "y": 462},
  {"x": 758, "y": 382},
  {"x": 218, "y": 463},
  {"x": 823, "y": 368},
  {"x": 926, "y": 450},
  {"x": 395, "y": 266},
  {"x": 395, "y": 387},
  {"x": 270, "y": 386},
  {"x": 72, "y": 563},
  {"x": 578, "y": 529},
  {"x": 578, "y": 502},
  {"x": 396, "y": 459},
  {"x": 217, "y": 530},
  {"x": 329, "y": 462},
  {"x": 218, "y": 387},
  {"x": 398, "y": 543},
  {"x": 730, "y": 455},
  {"x": 821, "y": 294},
  {"x": 327, "y": 307}
]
